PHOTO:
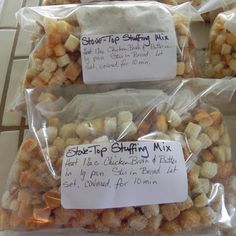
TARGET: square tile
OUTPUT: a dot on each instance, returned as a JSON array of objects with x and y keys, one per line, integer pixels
[
  {"x": 7, "y": 39},
  {"x": 17, "y": 74},
  {"x": 7, "y": 17},
  {"x": 9, "y": 148}
]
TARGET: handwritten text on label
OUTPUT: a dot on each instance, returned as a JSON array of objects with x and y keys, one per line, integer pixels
[{"x": 118, "y": 174}]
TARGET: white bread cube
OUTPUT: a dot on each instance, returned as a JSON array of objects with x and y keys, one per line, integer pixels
[
  {"x": 155, "y": 222},
  {"x": 150, "y": 210},
  {"x": 68, "y": 131},
  {"x": 195, "y": 145},
  {"x": 84, "y": 129},
  {"x": 205, "y": 140},
  {"x": 58, "y": 78},
  {"x": 138, "y": 222},
  {"x": 72, "y": 43},
  {"x": 110, "y": 125},
  {"x": 49, "y": 65},
  {"x": 63, "y": 60},
  {"x": 102, "y": 139},
  {"x": 192, "y": 130},
  {"x": 48, "y": 133},
  {"x": 124, "y": 116},
  {"x": 208, "y": 169},
  {"x": 173, "y": 118}
]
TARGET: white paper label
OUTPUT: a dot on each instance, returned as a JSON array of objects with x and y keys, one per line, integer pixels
[
  {"x": 128, "y": 57},
  {"x": 123, "y": 174}
]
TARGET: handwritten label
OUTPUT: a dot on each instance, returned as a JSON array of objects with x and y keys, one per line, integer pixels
[
  {"x": 128, "y": 57},
  {"x": 123, "y": 174}
]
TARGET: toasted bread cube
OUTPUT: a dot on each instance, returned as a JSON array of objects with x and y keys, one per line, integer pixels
[
  {"x": 59, "y": 50},
  {"x": 206, "y": 155},
  {"x": 37, "y": 82},
  {"x": 204, "y": 119},
  {"x": 150, "y": 210},
  {"x": 45, "y": 76},
  {"x": 97, "y": 126},
  {"x": 212, "y": 133},
  {"x": 52, "y": 198},
  {"x": 125, "y": 212},
  {"x": 208, "y": 216},
  {"x": 138, "y": 222},
  {"x": 46, "y": 97},
  {"x": 154, "y": 223},
  {"x": 226, "y": 49},
  {"x": 192, "y": 130},
  {"x": 169, "y": 211},
  {"x": 161, "y": 123},
  {"x": 208, "y": 169},
  {"x": 201, "y": 200},
  {"x": 63, "y": 60},
  {"x": 219, "y": 153},
  {"x": 72, "y": 43},
  {"x": 189, "y": 219},
  {"x": 72, "y": 141},
  {"x": 110, "y": 219},
  {"x": 232, "y": 65},
  {"x": 60, "y": 144},
  {"x": 72, "y": 71},
  {"x": 128, "y": 129},
  {"x": 185, "y": 205},
  {"x": 41, "y": 213},
  {"x": 180, "y": 68},
  {"x": 49, "y": 65},
  {"x": 58, "y": 78}
]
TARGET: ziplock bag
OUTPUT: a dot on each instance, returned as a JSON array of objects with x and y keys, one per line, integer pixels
[
  {"x": 221, "y": 54},
  {"x": 185, "y": 184},
  {"x": 58, "y": 2},
  {"x": 56, "y": 59}
]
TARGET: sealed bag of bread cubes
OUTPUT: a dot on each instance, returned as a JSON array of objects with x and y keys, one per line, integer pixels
[
  {"x": 144, "y": 37},
  {"x": 137, "y": 160},
  {"x": 58, "y": 2},
  {"x": 221, "y": 55}
]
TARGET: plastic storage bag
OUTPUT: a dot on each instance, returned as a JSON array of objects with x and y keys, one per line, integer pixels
[
  {"x": 58, "y": 2},
  {"x": 56, "y": 58},
  {"x": 176, "y": 110},
  {"x": 221, "y": 58}
]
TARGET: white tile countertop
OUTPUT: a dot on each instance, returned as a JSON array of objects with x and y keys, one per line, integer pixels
[{"x": 14, "y": 52}]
